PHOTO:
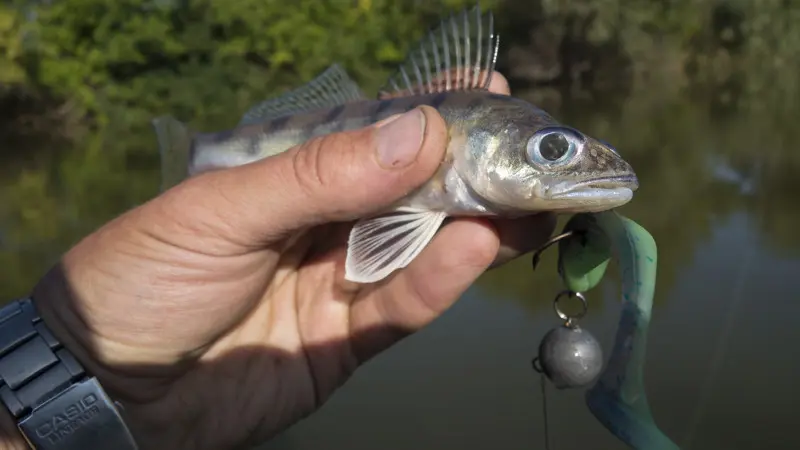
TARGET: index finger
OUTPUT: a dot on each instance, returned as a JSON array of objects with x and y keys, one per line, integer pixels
[{"x": 499, "y": 84}]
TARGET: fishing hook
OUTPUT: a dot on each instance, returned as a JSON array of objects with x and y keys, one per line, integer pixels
[{"x": 537, "y": 255}]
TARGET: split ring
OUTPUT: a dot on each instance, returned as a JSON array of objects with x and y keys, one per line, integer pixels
[{"x": 570, "y": 294}]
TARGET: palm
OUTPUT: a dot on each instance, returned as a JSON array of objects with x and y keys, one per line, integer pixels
[{"x": 272, "y": 328}]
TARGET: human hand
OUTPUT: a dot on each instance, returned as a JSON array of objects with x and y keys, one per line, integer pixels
[{"x": 218, "y": 314}]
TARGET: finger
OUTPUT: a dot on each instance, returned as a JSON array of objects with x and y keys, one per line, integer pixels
[
  {"x": 456, "y": 257},
  {"x": 336, "y": 177},
  {"x": 499, "y": 84},
  {"x": 523, "y": 235}
]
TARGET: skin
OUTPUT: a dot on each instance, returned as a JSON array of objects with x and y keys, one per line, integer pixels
[{"x": 219, "y": 316}]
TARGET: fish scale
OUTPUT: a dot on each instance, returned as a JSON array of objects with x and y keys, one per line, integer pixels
[{"x": 493, "y": 166}]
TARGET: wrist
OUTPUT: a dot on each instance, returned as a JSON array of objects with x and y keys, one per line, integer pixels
[
  {"x": 60, "y": 307},
  {"x": 10, "y": 436}
]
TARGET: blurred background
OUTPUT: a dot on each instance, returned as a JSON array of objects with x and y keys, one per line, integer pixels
[{"x": 700, "y": 96}]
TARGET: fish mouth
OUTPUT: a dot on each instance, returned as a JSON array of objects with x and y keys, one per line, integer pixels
[{"x": 617, "y": 190}]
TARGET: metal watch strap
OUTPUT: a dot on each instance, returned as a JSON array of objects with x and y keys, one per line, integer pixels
[{"x": 56, "y": 405}]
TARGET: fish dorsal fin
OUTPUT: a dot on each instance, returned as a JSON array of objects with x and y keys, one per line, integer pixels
[
  {"x": 382, "y": 244},
  {"x": 457, "y": 55},
  {"x": 333, "y": 87}
]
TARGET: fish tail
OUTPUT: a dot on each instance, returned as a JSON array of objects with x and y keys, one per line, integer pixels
[{"x": 174, "y": 144}]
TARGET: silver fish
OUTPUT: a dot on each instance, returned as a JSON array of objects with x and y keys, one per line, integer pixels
[{"x": 505, "y": 157}]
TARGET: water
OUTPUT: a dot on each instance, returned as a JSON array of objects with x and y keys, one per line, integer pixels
[
  {"x": 717, "y": 375},
  {"x": 717, "y": 192}
]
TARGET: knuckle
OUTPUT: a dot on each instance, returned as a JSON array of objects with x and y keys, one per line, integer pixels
[
  {"x": 324, "y": 161},
  {"x": 306, "y": 167}
]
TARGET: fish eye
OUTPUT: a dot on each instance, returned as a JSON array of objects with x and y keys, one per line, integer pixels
[{"x": 552, "y": 146}]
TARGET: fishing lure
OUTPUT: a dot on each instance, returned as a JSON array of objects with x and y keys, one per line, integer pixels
[{"x": 571, "y": 357}]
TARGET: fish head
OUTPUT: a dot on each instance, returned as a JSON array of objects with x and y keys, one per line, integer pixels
[{"x": 531, "y": 163}]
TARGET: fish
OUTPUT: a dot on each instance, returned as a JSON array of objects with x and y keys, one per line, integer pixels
[{"x": 505, "y": 156}]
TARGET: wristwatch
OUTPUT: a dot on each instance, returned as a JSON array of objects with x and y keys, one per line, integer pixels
[{"x": 55, "y": 403}]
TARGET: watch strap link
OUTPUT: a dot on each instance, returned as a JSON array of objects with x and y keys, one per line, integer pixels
[{"x": 57, "y": 406}]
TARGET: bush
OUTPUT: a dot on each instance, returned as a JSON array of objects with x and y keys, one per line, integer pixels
[{"x": 205, "y": 58}]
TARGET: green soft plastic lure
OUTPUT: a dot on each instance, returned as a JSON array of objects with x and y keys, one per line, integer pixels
[{"x": 618, "y": 398}]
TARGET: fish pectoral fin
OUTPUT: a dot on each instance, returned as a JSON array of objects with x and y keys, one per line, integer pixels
[
  {"x": 331, "y": 88},
  {"x": 458, "y": 54},
  {"x": 380, "y": 245}
]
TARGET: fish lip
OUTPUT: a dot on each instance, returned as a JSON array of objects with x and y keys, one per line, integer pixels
[
  {"x": 613, "y": 183},
  {"x": 604, "y": 197},
  {"x": 609, "y": 191},
  {"x": 624, "y": 181}
]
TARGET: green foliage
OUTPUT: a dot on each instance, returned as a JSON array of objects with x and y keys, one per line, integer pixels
[
  {"x": 633, "y": 20},
  {"x": 682, "y": 41},
  {"x": 11, "y": 72},
  {"x": 203, "y": 59}
]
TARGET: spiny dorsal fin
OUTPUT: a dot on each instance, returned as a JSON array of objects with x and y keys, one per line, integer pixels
[
  {"x": 331, "y": 88},
  {"x": 457, "y": 55}
]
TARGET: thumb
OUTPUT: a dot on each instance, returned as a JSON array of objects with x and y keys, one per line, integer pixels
[{"x": 336, "y": 177}]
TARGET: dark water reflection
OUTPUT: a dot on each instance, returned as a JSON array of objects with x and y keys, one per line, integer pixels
[
  {"x": 718, "y": 192},
  {"x": 718, "y": 373}
]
